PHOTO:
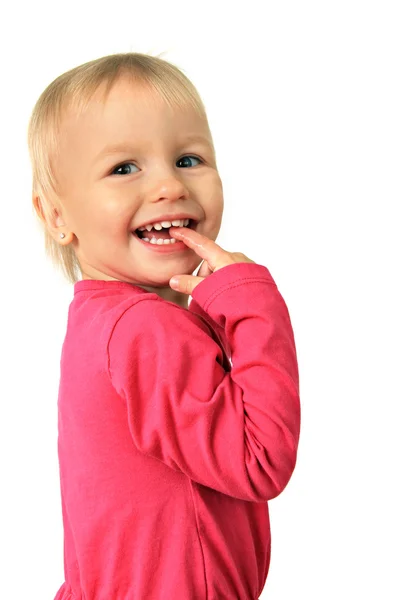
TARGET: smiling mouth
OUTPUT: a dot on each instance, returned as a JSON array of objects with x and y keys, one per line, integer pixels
[{"x": 161, "y": 233}]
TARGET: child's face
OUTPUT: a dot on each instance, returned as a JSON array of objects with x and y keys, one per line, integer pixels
[{"x": 104, "y": 203}]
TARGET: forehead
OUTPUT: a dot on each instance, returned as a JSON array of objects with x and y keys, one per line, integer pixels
[{"x": 133, "y": 110}]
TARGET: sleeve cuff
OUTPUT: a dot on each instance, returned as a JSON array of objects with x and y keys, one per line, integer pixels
[{"x": 210, "y": 288}]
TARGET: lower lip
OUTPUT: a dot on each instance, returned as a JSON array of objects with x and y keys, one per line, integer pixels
[{"x": 176, "y": 247}]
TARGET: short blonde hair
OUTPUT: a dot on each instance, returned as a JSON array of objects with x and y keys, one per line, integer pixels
[{"x": 74, "y": 90}]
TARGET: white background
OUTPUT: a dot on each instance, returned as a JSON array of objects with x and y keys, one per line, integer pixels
[{"x": 303, "y": 102}]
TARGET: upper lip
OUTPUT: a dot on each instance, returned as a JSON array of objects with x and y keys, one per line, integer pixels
[{"x": 168, "y": 217}]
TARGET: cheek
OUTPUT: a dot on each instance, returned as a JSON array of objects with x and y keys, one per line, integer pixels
[
  {"x": 215, "y": 213},
  {"x": 213, "y": 220},
  {"x": 113, "y": 215},
  {"x": 214, "y": 204}
]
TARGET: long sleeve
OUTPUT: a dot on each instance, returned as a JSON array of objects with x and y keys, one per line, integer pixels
[{"x": 234, "y": 431}]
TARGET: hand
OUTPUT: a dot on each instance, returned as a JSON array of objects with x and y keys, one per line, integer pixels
[{"x": 214, "y": 258}]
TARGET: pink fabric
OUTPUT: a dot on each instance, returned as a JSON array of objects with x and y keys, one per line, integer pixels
[{"x": 176, "y": 426}]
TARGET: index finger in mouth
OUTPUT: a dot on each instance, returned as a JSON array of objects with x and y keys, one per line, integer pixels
[
  {"x": 203, "y": 245},
  {"x": 191, "y": 235}
]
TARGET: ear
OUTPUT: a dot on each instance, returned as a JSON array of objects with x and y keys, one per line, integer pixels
[{"x": 52, "y": 222}]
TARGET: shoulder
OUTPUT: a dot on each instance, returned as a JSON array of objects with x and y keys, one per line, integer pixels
[{"x": 155, "y": 315}]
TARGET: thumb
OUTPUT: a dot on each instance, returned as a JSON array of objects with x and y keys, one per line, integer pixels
[{"x": 185, "y": 283}]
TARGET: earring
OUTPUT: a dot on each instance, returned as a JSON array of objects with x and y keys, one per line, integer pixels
[{"x": 62, "y": 235}]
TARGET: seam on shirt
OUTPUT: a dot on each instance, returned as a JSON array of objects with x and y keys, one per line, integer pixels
[
  {"x": 231, "y": 285},
  {"x": 196, "y": 514},
  {"x": 115, "y": 324}
]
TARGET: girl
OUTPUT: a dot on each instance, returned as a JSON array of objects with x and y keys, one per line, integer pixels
[{"x": 177, "y": 423}]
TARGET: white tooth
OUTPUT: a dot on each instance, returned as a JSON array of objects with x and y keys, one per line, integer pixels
[
  {"x": 160, "y": 241},
  {"x": 160, "y": 224}
]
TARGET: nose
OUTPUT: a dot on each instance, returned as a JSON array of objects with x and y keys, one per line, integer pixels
[{"x": 169, "y": 187}]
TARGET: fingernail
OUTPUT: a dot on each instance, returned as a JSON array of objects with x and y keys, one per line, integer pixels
[{"x": 174, "y": 282}]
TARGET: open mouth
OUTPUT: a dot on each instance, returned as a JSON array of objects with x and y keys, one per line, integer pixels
[{"x": 161, "y": 233}]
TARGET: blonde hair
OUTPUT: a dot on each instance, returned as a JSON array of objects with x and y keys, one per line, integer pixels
[{"x": 74, "y": 90}]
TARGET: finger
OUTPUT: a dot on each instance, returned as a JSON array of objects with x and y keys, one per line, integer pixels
[
  {"x": 204, "y": 270},
  {"x": 185, "y": 283},
  {"x": 201, "y": 244}
]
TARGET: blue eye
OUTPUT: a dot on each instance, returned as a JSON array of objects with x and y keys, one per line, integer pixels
[
  {"x": 184, "y": 158},
  {"x": 189, "y": 156},
  {"x": 124, "y": 165}
]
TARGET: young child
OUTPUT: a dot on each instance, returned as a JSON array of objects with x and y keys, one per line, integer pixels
[{"x": 177, "y": 423}]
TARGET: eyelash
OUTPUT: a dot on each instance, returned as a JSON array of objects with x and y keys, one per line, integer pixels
[{"x": 131, "y": 162}]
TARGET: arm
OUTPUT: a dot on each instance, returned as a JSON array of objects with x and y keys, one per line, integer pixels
[{"x": 236, "y": 432}]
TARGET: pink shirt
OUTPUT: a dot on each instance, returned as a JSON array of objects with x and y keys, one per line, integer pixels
[{"x": 176, "y": 426}]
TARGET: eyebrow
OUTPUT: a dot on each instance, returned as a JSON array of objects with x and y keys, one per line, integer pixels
[{"x": 126, "y": 147}]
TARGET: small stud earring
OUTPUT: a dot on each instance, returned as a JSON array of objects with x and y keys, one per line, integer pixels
[{"x": 62, "y": 235}]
